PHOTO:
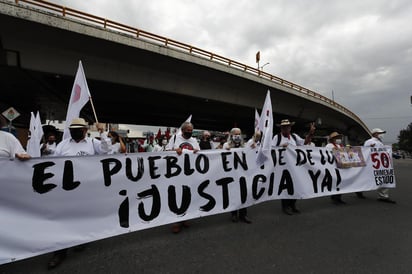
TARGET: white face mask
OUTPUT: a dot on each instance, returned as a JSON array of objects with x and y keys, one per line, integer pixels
[
  {"x": 381, "y": 136},
  {"x": 164, "y": 142},
  {"x": 338, "y": 141}
]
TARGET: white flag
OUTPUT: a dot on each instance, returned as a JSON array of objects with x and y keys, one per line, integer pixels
[
  {"x": 266, "y": 126},
  {"x": 188, "y": 120},
  {"x": 79, "y": 97},
  {"x": 38, "y": 127},
  {"x": 257, "y": 121},
  {"x": 36, "y": 133},
  {"x": 32, "y": 122}
]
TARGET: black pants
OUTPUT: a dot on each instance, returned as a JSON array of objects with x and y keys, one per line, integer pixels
[
  {"x": 336, "y": 197},
  {"x": 242, "y": 212},
  {"x": 289, "y": 203}
]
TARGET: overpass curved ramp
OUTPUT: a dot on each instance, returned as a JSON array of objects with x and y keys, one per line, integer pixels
[{"x": 136, "y": 77}]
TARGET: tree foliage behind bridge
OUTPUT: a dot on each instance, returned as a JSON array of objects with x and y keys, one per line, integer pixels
[{"x": 405, "y": 139}]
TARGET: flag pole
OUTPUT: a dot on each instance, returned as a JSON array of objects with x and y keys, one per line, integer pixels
[{"x": 94, "y": 111}]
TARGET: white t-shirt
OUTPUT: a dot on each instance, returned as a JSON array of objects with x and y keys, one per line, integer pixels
[
  {"x": 9, "y": 145},
  {"x": 227, "y": 145},
  {"x": 87, "y": 146},
  {"x": 180, "y": 142},
  {"x": 288, "y": 140},
  {"x": 332, "y": 146},
  {"x": 158, "y": 148},
  {"x": 115, "y": 148},
  {"x": 250, "y": 142},
  {"x": 375, "y": 142}
]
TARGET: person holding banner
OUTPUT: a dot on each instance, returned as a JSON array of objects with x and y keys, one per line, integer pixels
[
  {"x": 205, "y": 141},
  {"x": 222, "y": 140},
  {"x": 10, "y": 146},
  {"x": 150, "y": 143},
  {"x": 183, "y": 142},
  {"x": 255, "y": 140},
  {"x": 236, "y": 141},
  {"x": 335, "y": 142},
  {"x": 284, "y": 139},
  {"x": 79, "y": 145},
  {"x": 118, "y": 145},
  {"x": 376, "y": 141},
  {"x": 163, "y": 143}
]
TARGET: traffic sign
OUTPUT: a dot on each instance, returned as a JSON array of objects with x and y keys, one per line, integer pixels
[{"x": 11, "y": 114}]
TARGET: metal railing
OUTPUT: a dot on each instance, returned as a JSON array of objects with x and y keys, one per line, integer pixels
[{"x": 141, "y": 34}]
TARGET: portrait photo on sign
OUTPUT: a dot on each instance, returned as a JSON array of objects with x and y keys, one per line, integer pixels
[{"x": 347, "y": 157}]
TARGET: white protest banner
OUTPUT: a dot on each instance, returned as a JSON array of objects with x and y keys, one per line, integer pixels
[{"x": 52, "y": 203}]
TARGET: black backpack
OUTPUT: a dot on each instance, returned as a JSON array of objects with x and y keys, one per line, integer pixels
[{"x": 280, "y": 138}]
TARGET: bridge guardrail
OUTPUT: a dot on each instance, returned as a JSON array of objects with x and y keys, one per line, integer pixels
[{"x": 141, "y": 34}]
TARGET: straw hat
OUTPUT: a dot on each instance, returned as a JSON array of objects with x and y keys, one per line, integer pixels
[
  {"x": 285, "y": 122},
  {"x": 78, "y": 123},
  {"x": 335, "y": 135}
]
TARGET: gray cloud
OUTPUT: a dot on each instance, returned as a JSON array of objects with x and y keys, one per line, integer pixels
[{"x": 362, "y": 50}]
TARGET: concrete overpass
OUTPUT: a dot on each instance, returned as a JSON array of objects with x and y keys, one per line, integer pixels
[{"x": 136, "y": 77}]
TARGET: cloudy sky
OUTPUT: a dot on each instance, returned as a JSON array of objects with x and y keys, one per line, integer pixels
[{"x": 358, "y": 52}]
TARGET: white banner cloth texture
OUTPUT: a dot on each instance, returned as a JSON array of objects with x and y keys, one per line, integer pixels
[{"x": 51, "y": 203}]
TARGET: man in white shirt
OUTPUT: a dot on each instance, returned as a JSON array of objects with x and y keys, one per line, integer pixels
[
  {"x": 184, "y": 140},
  {"x": 284, "y": 139},
  {"x": 236, "y": 141},
  {"x": 335, "y": 142},
  {"x": 79, "y": 145},
  {"x": 181, "y": 143},
  {"x": 150, "y": 144},
  {"x": 376, "y": 141},
  {"x": 255, "y": 140},
  {"x": 10, "y": 147}
]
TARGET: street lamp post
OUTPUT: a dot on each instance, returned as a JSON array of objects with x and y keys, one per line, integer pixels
[{"x": 261, "y": 68}]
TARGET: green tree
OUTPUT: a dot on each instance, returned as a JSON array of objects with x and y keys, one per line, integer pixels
[
  {"x": 395, "y": 146},
  {"x": 405, "y": 139}
]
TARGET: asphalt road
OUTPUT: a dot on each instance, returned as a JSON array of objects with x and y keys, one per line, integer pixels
[{"x": 364, "y": 236}]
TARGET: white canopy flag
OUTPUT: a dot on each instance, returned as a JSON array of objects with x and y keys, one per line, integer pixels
[
  {"x": 79, "y": 97},
  {"x": 36, "y": 133},
  {"x": 257, "y": 121},
  {"x": 266, "y": 126}
]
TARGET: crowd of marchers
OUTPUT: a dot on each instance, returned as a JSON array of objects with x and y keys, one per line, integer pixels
[{"x": 80, "y": 144}]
